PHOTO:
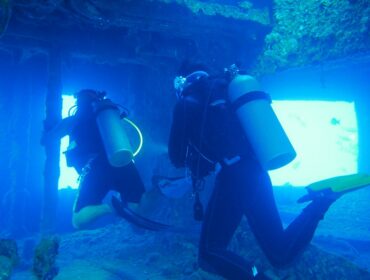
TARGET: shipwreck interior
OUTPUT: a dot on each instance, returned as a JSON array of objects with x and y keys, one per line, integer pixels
[
  {"x": 130, "y": 49},
  {"x": 312, "y": 51}
]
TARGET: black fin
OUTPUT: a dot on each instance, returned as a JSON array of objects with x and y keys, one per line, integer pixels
[{"x": 123, "y": 211}]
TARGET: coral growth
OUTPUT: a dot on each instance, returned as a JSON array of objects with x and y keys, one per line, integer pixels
[
  {"x": 243, "y": 10},
  {"x": 308, "y": 32},
  {"x": 8, "y": 257},
  {"x": 44, "y": 261}
]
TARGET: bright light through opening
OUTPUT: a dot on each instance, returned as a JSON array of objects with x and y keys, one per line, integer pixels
[
  {"x": 324, "y": 135},
  {"x": 68, "y": 175}
]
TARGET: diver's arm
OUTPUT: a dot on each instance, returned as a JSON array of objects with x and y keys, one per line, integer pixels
[
  {"x": 63, "y": 128},
  {"x": 177, "y": 143}
]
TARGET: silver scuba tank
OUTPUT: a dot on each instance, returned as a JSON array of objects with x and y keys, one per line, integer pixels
[
  {"x": 116, "y": 142},
  {"x": 262, "y": 127}
]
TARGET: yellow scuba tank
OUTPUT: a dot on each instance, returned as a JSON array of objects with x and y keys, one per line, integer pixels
[
  {"x": 262, "y": 127},
  {"x": 116, "y": 142}
]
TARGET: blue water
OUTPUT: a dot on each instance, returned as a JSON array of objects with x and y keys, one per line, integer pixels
[{"x": 324, "y": 108}]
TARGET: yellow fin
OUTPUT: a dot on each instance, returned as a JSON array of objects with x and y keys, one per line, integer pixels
[{"x": 342, "y": 183}]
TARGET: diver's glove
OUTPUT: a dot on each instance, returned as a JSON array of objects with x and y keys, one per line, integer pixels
[
  {"x": 335, "y": 187},
  {"x": 121, "y": 208}
]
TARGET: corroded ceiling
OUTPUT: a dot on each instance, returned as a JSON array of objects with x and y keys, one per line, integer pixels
[
  {"x": 138, "y": 32},
  {"x": 266, "y": 35}
]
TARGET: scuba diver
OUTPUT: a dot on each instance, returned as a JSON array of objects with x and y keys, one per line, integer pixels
[
  {"x": 224, "y": 124},
  {"x": 100, "y": 151}
]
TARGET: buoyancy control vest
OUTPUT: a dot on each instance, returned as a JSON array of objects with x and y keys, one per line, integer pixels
[
  {"x": 216, "y": 134},
  {"x": 84, "y": 142},
  {"x": 235, "y": 119}
]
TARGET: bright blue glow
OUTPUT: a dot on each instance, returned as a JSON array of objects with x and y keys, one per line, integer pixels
[
  {"x": 324, "y": 135},
  {"x": 68, "y": 175}
]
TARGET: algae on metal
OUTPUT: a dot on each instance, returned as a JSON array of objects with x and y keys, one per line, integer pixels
[
  {"x": 308, "y": 32},
  {"x": 44, "y": 261},
  {"x": 242, "y": 10},
  {"x": 8, "y": 258}
]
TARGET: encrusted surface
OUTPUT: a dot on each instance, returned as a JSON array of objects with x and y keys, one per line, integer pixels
[{"x": 313, "y": 31}]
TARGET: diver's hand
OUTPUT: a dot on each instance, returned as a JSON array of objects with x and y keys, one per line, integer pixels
[{"x": 57, "y": 130}]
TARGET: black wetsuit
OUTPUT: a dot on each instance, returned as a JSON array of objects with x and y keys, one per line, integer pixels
[
  {"x": 97, "y": 176},
  {"x": 203, "y": 118}
]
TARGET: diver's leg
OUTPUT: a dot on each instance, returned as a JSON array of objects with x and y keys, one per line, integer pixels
[
  {"x": 93, "y": 187},
  {"x": 88, "y": 214},
  {"x": 223, "y": 215},
  {"x": 280, "y": 246}
]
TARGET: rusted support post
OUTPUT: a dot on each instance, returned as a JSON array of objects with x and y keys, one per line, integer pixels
[{"x": 53, "y": 107}]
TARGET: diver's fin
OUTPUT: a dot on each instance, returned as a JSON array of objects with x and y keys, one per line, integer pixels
[
  {"x": 336, "y": 186},
  {"x": 311, "y": 195},
  {"x": 123, "y": 211},
  {"x": 342, "y": 183}
]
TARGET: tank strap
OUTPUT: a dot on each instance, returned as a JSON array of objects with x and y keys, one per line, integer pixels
[{"x": 250, "y": 96}]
